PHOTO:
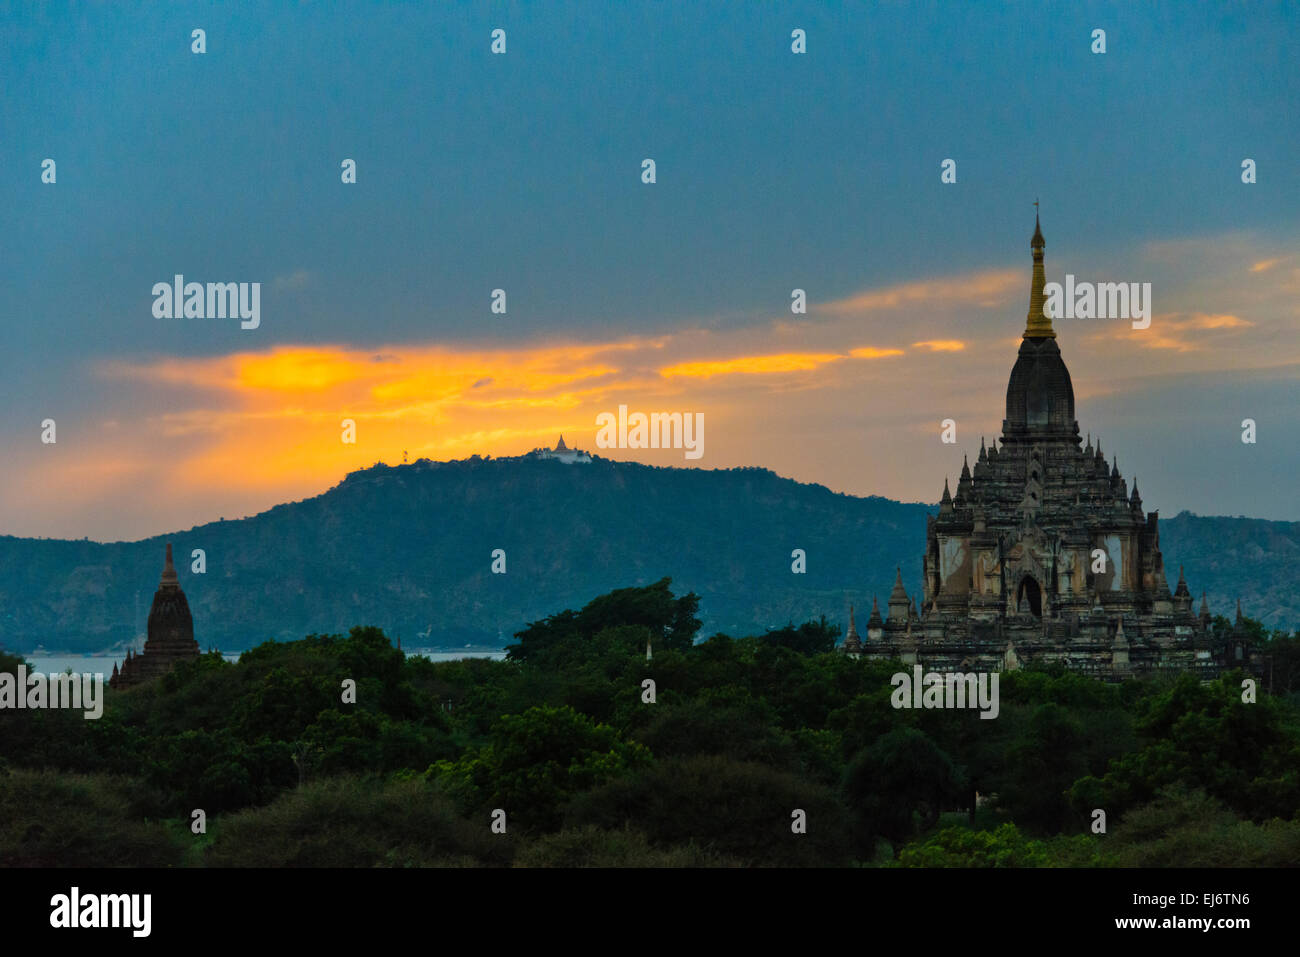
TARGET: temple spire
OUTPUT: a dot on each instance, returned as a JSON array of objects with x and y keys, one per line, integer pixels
[
  {"x": 169, "y": 571},
  {"x": 1037, "y": 324},
  {"x": 898, "y": 593},
  {"x": 852, "y": 641}
]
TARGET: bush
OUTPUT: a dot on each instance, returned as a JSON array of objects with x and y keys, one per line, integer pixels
[
  {"x": 1188, "y": 828},
  {"x": 733, "y": 808},
  {"x": 593, "y": 847},
  {"x": 354, "y": 822},
  {"x": 48, "y": 819},
  {"x": 961, "y": 847}
]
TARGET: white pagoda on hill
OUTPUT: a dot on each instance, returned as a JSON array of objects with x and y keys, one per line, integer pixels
[{"x": 563, "y": 453}]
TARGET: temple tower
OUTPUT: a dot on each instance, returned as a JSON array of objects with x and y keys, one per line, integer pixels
[
  {"x": 1043, "y": 548},
  {"x": 170, "y": 635}
]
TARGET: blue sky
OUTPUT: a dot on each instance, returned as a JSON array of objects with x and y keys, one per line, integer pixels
[{"x": 521, "y": 171}]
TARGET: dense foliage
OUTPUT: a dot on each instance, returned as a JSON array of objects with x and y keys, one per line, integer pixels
[{"x": 768, "y": 750}]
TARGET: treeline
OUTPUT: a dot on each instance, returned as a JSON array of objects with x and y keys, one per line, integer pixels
[{"x": 743, "y": 734}]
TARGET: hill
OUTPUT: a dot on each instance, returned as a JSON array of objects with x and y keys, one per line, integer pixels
[{"x": 409, "y": 548}]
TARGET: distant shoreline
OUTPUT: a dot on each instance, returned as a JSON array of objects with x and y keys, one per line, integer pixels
[{"x": 92, "y": 664}]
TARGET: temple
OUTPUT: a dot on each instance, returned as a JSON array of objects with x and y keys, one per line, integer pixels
[
  {"x": 170, "y": 637},
  {"x": 564, "y": 454},
  {"x": 1043, "y": 554}
]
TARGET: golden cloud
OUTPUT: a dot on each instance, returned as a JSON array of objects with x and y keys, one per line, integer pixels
[
  {"x": 761, "y": 365},
  {"x": 940, "y": 345},
  {"x": 986, "y": 289}
]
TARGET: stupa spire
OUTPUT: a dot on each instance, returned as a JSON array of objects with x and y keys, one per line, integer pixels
[
  {"x": 899, "y": 592},
  {"x": 169, "y": 578},
  {"x": 852, "y": 640},
  {"x": 1037, "y": 324}
]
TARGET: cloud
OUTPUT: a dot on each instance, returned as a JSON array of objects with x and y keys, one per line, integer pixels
[
  {"x": 871, "y": 352},
  {"x": 1186, "y": 332},
  {"x": 787, "y": 362},
  {"x": 989, "y": 288},
  {"x": 298, "y": 279},
  {"x": 940, "y": 345}
]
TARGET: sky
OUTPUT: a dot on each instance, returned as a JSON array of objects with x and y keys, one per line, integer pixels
[{"x": 522, "y": 171}]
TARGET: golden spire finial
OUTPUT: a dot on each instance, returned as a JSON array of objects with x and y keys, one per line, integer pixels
[{"x": 1038, "y": 325}]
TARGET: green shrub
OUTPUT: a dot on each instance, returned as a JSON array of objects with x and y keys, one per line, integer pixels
[
  {"x": 733, "y": 808},
  {"x": 51, "y": 819},
  {"x": 356, "y": 822},
  {"x": 593, "y": 847}
]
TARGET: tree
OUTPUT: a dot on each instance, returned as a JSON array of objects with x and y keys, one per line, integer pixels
[
  {"x": 535, "y": 762},
  {"x": 553, "y": 641},
  {"x": 901, "y": 777},
  {"x": 810, "y": 638},
  {"x": 1041, "y": 765}
]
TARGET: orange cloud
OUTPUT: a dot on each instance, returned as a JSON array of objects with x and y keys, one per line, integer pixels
[
  {"x": 940, "y": 345},
  {"x": 985, "y": 289},
  {"x": 871, "y": 352},
  {"x": 1225, "y": 321},
  {"x": 1176, "y": 332},
  {"x": 786, "y": 362},
  {"x": 1264, "y": 265}
]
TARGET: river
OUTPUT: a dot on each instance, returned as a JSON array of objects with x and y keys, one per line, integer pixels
[{"x": 103, "y": 664}]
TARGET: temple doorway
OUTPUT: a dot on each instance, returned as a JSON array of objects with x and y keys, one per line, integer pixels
[{"x": 1029, "y": 597}]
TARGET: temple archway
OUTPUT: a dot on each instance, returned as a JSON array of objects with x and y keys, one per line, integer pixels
[{"x": 1031, "y": 594}]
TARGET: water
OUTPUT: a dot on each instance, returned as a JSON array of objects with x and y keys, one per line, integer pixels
[{"x": 103, "y": 664}]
